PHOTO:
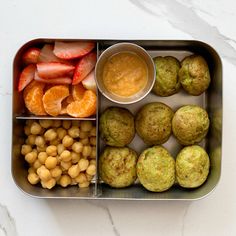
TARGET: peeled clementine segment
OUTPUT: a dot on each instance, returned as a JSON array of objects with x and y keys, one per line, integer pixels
[
  {"x": 53, "y": 97},
  {"x": 84, "y": 107},
  {"x": 33, "y": 95},
  {"x": 77, "y": 91}
]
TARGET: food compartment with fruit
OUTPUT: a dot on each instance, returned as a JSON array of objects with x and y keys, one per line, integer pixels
[{"x": 55, "y": 78}]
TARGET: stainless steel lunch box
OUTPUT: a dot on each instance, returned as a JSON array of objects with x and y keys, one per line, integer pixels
[{"x": 210, "y": 100}]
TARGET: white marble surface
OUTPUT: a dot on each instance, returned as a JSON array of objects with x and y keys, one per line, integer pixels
[{"x": 212, "y": 21}]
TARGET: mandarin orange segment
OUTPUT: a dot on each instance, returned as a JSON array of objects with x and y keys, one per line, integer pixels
[
  {"x": 53, "y": 98},
  {"x": 85, "y": 107},
  {"x": 33, "y": 95},
  {"x": 77, "y": 91}
]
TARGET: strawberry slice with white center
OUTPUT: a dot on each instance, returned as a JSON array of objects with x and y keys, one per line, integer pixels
[
  {"x": 49, "y": 70},
  {"x": 47, "y": 55},
  {"x": 89, "y": 81},
  {"x": 26, "y": 76},
  {"x": 84, "y": 67},
  {"x": 31, "y": 56},
  {"x": 72, "y": 50},
  {"x": 60, "y": 80}
]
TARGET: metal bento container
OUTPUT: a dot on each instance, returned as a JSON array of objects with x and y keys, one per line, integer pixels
[{"x": 211, "y": 100}]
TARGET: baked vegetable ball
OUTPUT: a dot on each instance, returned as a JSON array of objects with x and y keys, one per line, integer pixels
[
  {"x": 153, "y": 123},
  {"x": 192, "y": 166},
  {"x": 117, "y": 166},
  {"x": 156, "y": 169},
  {"x": 194, "y": 75},
  {"x": 117, "y": 126},
  {"x": 190, "y": 124},
  {"x": 167, "y": 80}
]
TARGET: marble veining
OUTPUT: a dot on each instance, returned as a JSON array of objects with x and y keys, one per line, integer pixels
[
  {"x": 7, "y": 223},
  {"x": 108, "y": 213},
  {"x": 185, "y": 18}
]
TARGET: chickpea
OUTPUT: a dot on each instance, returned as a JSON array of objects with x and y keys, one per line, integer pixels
[
  {"x": 67, "y": 141},
  {"x": 29, "y": 122},
  {"x": 55, "y": 142},
  {"x": 86, "y": 125},
  {"x": 77, "y": 147},
  {"x": 33, "y": 178},
  {"x": 37, "y": 164},
  {"x": 43, "y": 173},
  {"x": 35, "y": 128},
  {"x": 51, "y": 162},
  {"x": 73, "y": 171},
  {"x": 41, "y": 149},
  {"x": 42, "y": 131},
  {"x": 93, "y": 153},
  {"x": 42, "y": 156},
  {"x": 56, "y": 123},
  {"x": 83, "y": 164},
  {"x": 45, "y": 123},
  {"x": 51, "y": 150},
  {"x": 35, "y": 150},
  {"x": 27, "y": 141},
  {"x": 65, "y": 156},
  {"x": 56, "y": 172},
  {"x": 83, "y": 134},
  {"x": 75, "y": 123},
  {"x": 84, "y": 184},
  {"x": 93, "y": 132},
  {"x": 25, "y": 149},
  {"x": 31, "y": 157},
  {"x": 61, "y": 133},
  {"x": 60, "y": 148},
  {"x": 89, "y": 177},
  {"x": 91, "y": 170},
  {"x": 93, "y": 141},
  {"x": 31, "y": 170},
  {"x": 86, "y": 151},
  {"x": 81, "y": 178},
  {"x": 31, "y": 139},
  {"x": 48, "y": 184},
  {"x": 65, "y": 165},
  {"x": 92, "y": 162},
  {"x": 84, "y": 141},
  {"x": 27, "y": 130},
  {"x": 75, "y": 157},
  {"x": 50, "y": 135},
  {"x": 73, "y": 182},
  {"x": 74, "y": 132},
  {"x": 65, "y": 180},
  {"x": 66, "y": 124},
  {"x": 39, "y": 141}
]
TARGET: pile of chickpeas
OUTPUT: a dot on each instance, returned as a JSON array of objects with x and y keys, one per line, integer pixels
[{"x": 60, "y": 152}]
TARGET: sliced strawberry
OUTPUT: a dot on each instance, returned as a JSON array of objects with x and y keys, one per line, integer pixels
[
  {"x": 73, "y": 49},
  {"x": 47, "y": 55},
  {"x": 60, "y": 80},
  {"x": 84, "y": 67},
  {"x": 49, "y": 70},
  {"x": 31, "y": 56},
  {"x": 89, "y": 81},
  {"x": 26, "y": 76}
]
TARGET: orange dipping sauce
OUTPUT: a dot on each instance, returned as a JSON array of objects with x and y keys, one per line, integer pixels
[{"x": 125, "y": 74}]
